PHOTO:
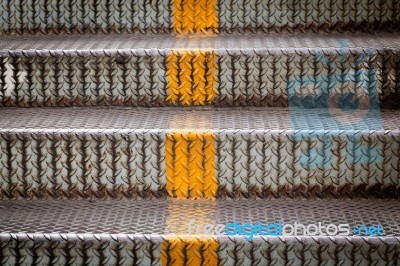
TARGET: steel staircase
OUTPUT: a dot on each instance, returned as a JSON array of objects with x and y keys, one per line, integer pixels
[{"x": 166, "y": 132}]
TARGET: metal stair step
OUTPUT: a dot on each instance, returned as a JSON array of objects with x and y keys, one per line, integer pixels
[
  {"x": 198, "y": 153},
  {"x": 82, "y": 16},
  {"x": 89, "y": 175},
  {"x": 163, "y": 232},
  {"x": 308, "y": 70}
]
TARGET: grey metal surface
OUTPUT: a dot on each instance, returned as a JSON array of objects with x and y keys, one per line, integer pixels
[
  {"x": 247, "y": 70},
  {"x": 146, "y": 250},
  {"x": 82, "y": 16},
  {"x": 259, "y": 152},
  {"x": 240, "y": 119},
  {"x": 59, "y": 43},
  {"x": 75, "y": 160},
  {"x": 164, "y": 217},
  {"x": 83, "y": 232},
  {"x": 307, "y": 15}
]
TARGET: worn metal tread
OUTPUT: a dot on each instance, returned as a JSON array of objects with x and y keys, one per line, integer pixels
[
  {"x": 101, "y": 42},
  {"x": 198, "y": 152},
  {"x": 310, "y": 70},
  {"x": 172, "y": 216},
  {"x": 155, "y": 232},
  {"x": 83, "y": 16},
  {"x": 240, "y": 119}
]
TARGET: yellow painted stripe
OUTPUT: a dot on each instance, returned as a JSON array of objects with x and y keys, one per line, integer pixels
[
  {"x": 191, "y": 16},
  {"x": 189, "y": 251},
  {"x": 196, "y": 168},
  {"x": 191, "y": 77},
  {"x": 190, "y": 166},
  {"x": 176, "y": 166}
]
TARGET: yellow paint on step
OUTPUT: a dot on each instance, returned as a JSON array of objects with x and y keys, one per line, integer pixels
[
  {"x": 189, "y": 251},
  {"x": 190, "y": 166},
  {"x": 196, "y": 168},
  {"x": 191, "y": 16},
  {"x": 191, "y": 77}
]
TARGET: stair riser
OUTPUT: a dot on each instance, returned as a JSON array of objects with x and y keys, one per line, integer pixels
[
  {"x": 260, "y": 77},
  {"x": 150, "y": 250},
  {"x": 224, "y": 164},
  {"x": 79, "y": 16}
]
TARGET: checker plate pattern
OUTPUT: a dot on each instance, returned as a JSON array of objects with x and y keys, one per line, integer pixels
[
  {"x": 250, "y": 70},
  {"x": 120, "y": 152},
  {"x": 84, "y": 16},
  {"x": 79, "y": 231}
]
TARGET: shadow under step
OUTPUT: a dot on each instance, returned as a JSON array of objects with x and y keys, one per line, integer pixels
[
  {"x": 163, "y": 232},
  {"x": 308, "y": 70},
  {"x": 198, "y": 153}
]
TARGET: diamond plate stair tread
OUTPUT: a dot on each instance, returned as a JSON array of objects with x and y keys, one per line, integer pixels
[
  {"x": 172, "y": 216},
  {"x": 123, "y": 232},
  {"x": 52, "y": 16},
  {"x": 309, "y": 70},
  {"x": 104, "y": 119},
  {"x": 221, "y": 41},
  {"x": 255, "y": 152}
]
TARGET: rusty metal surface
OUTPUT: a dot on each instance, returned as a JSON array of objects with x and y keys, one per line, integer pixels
[
  {"x": 259, "y": 153},
  {"x": 125, "y": 232},
  {"x": 139, "y": 16},
  {"x": 93, "y": 186},
  {"x": 130, "y": 249},
  {"x": 250, "y": 70}
]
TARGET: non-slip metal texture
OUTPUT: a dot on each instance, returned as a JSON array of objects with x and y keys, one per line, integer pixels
[
  {"x": 118, "y": 232},
  {"x": 171, "y": 216},
  {"x": 105, "y": 16},
  {"x": 307, "y": 15},
  {"x": 122, "y": 249},
  {"x": 85, "y": 16},
  {"x": 194, "y": 16},
  {"x": 247, "y": 70},
  {"x": 259, "y": 153}
]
